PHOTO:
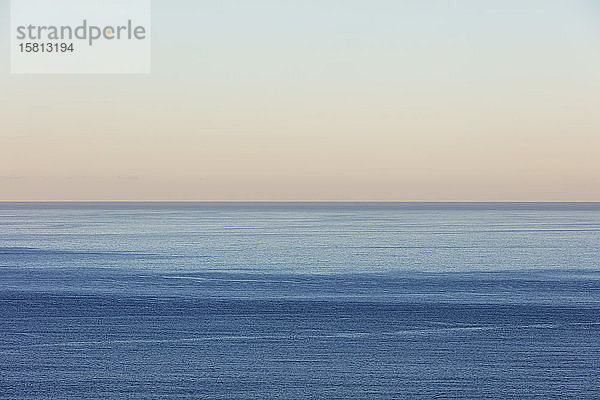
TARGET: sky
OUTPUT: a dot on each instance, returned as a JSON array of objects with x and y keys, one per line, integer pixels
[{"x": 382, "y": 100}]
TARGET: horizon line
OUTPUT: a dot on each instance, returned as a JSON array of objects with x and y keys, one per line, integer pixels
[{"x": 299, "y": 201}]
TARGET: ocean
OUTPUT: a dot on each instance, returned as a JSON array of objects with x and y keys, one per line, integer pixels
[{"x": 299, "y": 300}]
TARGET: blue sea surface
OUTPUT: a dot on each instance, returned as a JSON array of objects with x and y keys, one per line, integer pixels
[{"x": 299, "y": 300}]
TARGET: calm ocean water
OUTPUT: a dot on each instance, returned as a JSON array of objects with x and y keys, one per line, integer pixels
[{"x": 299, "y": 301}]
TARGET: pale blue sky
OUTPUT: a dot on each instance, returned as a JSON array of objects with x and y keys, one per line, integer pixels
[{"x": 322, "y": 100}]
